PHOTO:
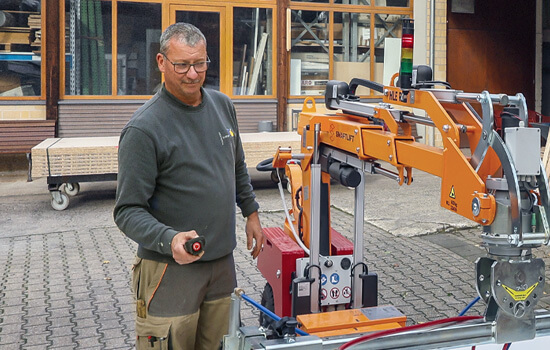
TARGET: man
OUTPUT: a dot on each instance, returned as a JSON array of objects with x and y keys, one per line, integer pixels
[{"x": 181, "y": 169}]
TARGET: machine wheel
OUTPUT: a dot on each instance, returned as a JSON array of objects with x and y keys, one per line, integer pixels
[
  {"x": 72, "y": 188},
  {"x": 268, "y": 302},
  {"x": 60, "y": 201}
]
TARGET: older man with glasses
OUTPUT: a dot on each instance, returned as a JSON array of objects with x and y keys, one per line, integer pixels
[{"x": 181, "y": 171}]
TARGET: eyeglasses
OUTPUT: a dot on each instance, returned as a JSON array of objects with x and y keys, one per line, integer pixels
[{"x": 182, "y": 68}]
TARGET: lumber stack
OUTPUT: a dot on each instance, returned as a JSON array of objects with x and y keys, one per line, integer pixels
[
  {"x": 99, "y": 155},
  {"x": 35, "y": 24},
  {"x": 75, "y": 156},
  {"x": 263, "y": 145}
]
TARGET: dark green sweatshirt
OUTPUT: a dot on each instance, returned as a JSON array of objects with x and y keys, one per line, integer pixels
[{"x": 182, "y": 168}]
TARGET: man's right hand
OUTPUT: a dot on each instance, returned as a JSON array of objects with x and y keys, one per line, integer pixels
[{"x": 180, "y": 255}]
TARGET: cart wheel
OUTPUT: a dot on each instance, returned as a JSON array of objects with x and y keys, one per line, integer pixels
[
  {"x": 268, "y": 302},
  {"x": 72, "y": 188},
  {"x": 60, "y": 201}
]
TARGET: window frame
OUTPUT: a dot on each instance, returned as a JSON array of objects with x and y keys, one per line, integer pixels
[
  {"x": 333, "y": 8},
  {"x": 168, "y": 9},
  {"x": 43, "y": 49}
]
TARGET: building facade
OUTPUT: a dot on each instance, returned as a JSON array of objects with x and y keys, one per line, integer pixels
[{"x": 87, "y": 65}]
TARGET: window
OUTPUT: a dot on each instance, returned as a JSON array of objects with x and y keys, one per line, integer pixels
[
  {"x": 309, "y": 58},
  {"x": 252, "y": 51},
  {"x": 355, "y": 2},
  {"x": 20, "y": 48},
  {"x": 319, "y": 1},
  {"x": 209, "y": 23},
  {"x": 395, "y": 3},
  {"x": 349, "y": 39},
  {"x": 88, "y": 47},
  {"x": 111, "y": 45},
  {"x": 138, "y": 36},
  {"x": 387, "y": 46},
  {"x": 352, "y": 45}
]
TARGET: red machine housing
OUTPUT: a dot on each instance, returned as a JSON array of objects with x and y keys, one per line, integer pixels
[{"x": 278, "y": 263}]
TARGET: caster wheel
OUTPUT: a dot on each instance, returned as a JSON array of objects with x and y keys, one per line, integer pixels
[
  {"x": 72, "y": 189},
  {"x": 60, "y": 201}
]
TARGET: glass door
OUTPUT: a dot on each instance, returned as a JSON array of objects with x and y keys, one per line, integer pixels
[{"x": 211, "y": 21}]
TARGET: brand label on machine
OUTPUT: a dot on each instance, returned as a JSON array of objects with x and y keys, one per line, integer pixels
[
  {"x": 394, "y": 95},
  {"x": 336, "y": 134},
  {"x": 303, "y": 289},
  {"x": 345, "y": 136}
]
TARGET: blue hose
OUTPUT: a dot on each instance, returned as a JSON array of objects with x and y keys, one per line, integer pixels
[
  {"x": 268, "y": 312},
  {"x": 469, "y": 306}
]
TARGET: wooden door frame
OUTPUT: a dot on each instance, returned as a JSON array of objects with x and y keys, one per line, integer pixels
[{"x": 226, "y": 69}]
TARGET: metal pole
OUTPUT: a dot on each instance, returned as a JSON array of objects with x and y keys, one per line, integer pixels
[
  {"x": 432, "y": 57},
  {"x": 446, "y": 337},
  {"x": 234, "y": 313},
  {"x": 232, "y": 339},
  {"x": 359, "y": 214},
  {"x": 314, "y": 239}
]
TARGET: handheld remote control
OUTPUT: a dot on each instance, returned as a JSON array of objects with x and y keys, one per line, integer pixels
[{"x": 195, "y": 246}]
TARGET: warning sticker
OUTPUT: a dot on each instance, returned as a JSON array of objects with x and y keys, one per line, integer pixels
[
  {"x": 346, "y": 292},
  {"x": 323, "y": 294},
  {"x": 520, "y": 295},
  {"x": 334, "y": 293},
  {"x": 451, "y": 203},
  {"x": 452, "y": 193}
]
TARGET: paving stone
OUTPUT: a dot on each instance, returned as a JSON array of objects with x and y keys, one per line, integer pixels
[
  {"x": 64, "y": 341},
  {"x": 85, "y": 323},
  {"x": 34, "y": 339},
  {"x": 113, "y": 333},
  {"x": 58, "y": 291},
  {"x": 110, "y": 324},
  {"x": 60, "y": 331},
  {"x": 88, "y": 343},
  {"x": 37, "y": 347},
  {"x": 11, "y": 340}
]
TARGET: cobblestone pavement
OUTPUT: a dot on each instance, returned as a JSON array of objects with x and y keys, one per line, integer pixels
[{"x": 65, "y": 276}]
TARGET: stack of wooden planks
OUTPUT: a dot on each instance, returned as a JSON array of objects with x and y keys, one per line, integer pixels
[
  {"x": 99, "y": 155},
  {"x": 35, "y": 24},
  {"x": 264, "y": 145},
  {"x": 75, "y": 156}
]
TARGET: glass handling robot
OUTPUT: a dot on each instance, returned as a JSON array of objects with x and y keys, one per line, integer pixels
[{"x": 495, "y": 178}]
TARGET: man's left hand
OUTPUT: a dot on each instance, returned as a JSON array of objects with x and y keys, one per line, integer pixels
[{"x": 254, "y": 232}]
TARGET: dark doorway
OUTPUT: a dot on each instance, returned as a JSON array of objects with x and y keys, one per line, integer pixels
[{"x": 493, "y": 48}]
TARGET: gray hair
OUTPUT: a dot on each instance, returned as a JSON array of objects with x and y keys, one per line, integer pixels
[{"x": 184, "y": 32}]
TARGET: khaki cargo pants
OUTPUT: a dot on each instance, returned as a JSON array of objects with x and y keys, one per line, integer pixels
[{"x": 182, "y": 306}]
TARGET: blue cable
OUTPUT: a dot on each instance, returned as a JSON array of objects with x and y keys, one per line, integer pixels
[
  {"x": 507, "y": 345},
  {"x": 469, "y": 306},
  {"x": 268, "y": 312}
]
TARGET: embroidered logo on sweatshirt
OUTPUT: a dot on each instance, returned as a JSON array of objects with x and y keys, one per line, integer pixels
[{"x": 229, "y": 135}]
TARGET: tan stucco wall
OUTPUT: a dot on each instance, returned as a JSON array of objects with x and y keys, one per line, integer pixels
[{"x": 22, "y": 112}]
